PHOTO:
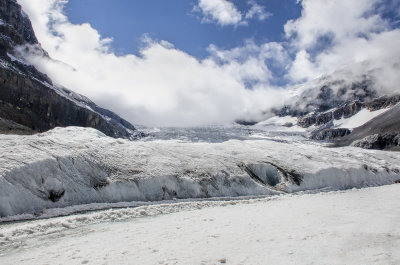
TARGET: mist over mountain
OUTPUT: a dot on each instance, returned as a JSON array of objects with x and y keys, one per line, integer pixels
[
  {"x": 29, "y": 101},
  {"x": 153, "y": 87}
]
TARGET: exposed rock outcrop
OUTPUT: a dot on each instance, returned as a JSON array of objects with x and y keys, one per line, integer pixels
[
  {"x": 330, "y": 134},
  {"x": 307, "y": 121},
  {"x": 17, "y": 25},
  {"x": 10, "y": 127},
  {"x": 379, "y": 141},
  {"x": 31, "y": 103},
  {"x": 345, "y": 111},
  {"x": 382, "y": 102}
]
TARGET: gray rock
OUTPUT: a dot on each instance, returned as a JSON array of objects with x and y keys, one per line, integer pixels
[
  {"x": 347, "y": 110},
  {"x": 307, "y": 121},
  {"x": 330, "y": 134},
  {"x": 379, "y": 141},
  {"x": 10, "y": 127},
  {"x": 17, "y": 25},
  {"x": 382, "y": 102},
  {"x": 351, "y": 109},
  {"x": 29, "y": 102},
  {"x": 324, "y": 118}
]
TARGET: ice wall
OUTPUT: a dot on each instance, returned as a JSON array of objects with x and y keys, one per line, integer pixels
[{"x": 74, "y": 166}]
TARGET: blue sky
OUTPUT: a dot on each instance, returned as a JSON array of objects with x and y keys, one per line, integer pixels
[
  {"x": 196, "y": 62},
  {"x": 126, "y": 21}
]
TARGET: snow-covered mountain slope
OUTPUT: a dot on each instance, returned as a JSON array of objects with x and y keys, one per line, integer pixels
[
  {"x": 325, "y": 107},
  {"x": 29, "y": 98},
  {"x": 338, "y": 123},
  {"x": 381, "y": 132},
  {"x": 351, "y": 227},
  {"x": 71, "y": 166},
  {"x": 347, "y": 125},
  {"x": 357, "y": 120}
]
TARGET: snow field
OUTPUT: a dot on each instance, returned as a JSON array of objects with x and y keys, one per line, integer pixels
[
  {"x": 341, "y": 227},
  {"x": 359, "y": 119}
]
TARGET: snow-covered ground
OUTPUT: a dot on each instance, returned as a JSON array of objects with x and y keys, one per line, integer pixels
[
  {"x": 342, "y": 227},
  {"x": 276, "y": 123},
  {"x": 362, "y": 117},
  {"x": 80, "y": 166}
]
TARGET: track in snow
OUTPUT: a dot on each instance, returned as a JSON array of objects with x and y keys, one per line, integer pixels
[{"x": 345, "y": 227}]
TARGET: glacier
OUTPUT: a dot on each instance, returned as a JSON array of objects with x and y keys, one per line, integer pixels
[
  {"x": 74, "y": 166},
  {"x": 357, "y": 226}
]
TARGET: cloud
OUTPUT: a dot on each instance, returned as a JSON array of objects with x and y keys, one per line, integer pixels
[
  {"x": 222, "y": 12},
  {"x": 250, "y": 62},
  {"x": 257, "y": 11},
  {"x": 225, "y": 13},
  {"x": 160, "y": 86},
  {"x": 166, "y": 86},
  {"x": 333, "y": 34},
  {"x": 342, "y": 18}
]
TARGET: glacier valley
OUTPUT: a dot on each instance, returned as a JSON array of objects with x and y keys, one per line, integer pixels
[{"x": 66, "y": 170}]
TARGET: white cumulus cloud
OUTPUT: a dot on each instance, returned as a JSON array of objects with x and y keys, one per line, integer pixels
[
  {"x": 221, "y": 11},
  {"x": 330, "y": 34},
  {"x": 257, "y": 11},
  {"x": 225, "y": 13}
]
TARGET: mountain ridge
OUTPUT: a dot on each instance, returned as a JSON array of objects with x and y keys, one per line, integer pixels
[{"x": 29, "y": 98}]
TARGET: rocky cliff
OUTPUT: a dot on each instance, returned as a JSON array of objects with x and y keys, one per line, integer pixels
[{"x": 28, "y": 97}]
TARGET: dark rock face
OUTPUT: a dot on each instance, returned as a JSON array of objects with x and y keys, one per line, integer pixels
[
  {"x": 379, "y": 141},
  {"x": 323, "y": 118},
  {"x": 10, "y": 127},
  {"x": 382, "y": 102},
  {"x": 330, "y": 134},
  {"x": 17, "y": 25},
  {"x": 30, "y": 103},
  {"x": 345, "y": 111},
  {"x": 351, "y": 108},
  {"x": 27, "y": 96},
  {"x": 307, "y": 121}
]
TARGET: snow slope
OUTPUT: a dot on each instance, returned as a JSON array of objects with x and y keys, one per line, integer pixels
[
  {"x": 75, "y": 166},
  {"x": 359, "y": 119},
  {"x": 345, "y": 227},
  {"x": 277, "y": 123}
]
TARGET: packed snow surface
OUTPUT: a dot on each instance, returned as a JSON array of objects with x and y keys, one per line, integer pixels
[
  {"x": 341, "y": 227},
  {"x": 276, "y": 123},
  {"x": 74, "y": 166},
  {"x": 359, "y": 119}
]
